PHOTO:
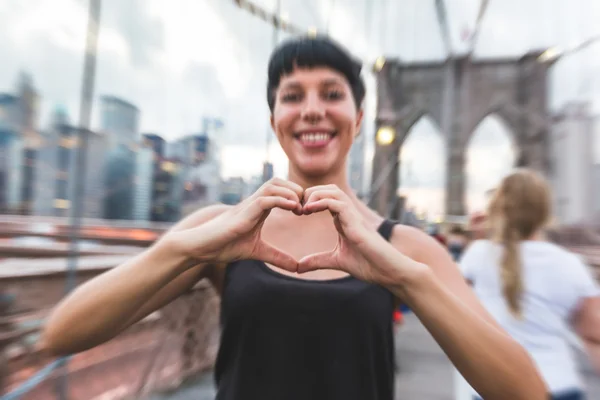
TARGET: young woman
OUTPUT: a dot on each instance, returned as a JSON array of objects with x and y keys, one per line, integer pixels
[
  {"x": 308, "y": 275},
  {"x": 536, "y": 290}
]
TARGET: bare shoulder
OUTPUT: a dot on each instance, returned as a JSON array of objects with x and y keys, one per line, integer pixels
[
  {"x": 418, "y": 245},
  {"x": 201, "y": 216}
]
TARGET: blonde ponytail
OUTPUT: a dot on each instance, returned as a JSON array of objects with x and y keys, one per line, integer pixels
[
  {"x": 512, "y": 281},
  {"x": 520, "y": 207}
]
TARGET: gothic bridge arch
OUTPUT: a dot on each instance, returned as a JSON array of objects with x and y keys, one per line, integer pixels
[{"x": 457, "y": 94}]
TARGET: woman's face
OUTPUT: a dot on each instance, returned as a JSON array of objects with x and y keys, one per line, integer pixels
[{"x": 315, "y": 119}]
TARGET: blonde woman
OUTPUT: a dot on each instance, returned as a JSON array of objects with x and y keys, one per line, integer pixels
[{"x": 536, "y": 290}]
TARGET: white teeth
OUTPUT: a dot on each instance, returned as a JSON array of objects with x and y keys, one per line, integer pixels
[{"x": 315, "y": 137}]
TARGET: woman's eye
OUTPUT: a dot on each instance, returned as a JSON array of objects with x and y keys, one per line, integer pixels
[
  {"x": 290, "y": 97},
  {"x": 334, "y": 95}
]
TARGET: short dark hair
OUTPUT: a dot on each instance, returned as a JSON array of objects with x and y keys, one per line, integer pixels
[{"x": 319, "y": 51}]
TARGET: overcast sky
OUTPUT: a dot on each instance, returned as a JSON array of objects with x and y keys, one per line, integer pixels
[{"x": 179, "y": 60}]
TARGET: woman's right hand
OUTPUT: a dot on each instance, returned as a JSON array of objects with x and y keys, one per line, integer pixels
[{"x": 236, "y": 233}]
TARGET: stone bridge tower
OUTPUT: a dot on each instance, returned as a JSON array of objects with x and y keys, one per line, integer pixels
[{"x": 458, "y": 94}]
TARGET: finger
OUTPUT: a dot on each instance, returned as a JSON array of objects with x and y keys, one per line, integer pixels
[
  {"x": 283, "y": 192},
  {"x": 260, "y": 207},
  {"x": 278, "y": 182},
  {"x": 322, "y": 194},
  {"x": 308, "y": 192},
  {"x": 334, "y": 206},
  {"x": 324, "y": 260},
  {"x": 272, "y": 255},
  {"x": 271, "y": 190}
]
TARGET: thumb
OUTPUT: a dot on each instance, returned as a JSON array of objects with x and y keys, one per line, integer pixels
[
  {"x": 324, "y": 260},
  {"x": 272, "y": 255}
]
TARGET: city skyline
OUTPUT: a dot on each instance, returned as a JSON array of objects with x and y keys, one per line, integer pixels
[
  {"x": 422, "y": 179},
  {"x": 154, "y": 56}
]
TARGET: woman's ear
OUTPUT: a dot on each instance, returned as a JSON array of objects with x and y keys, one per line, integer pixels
[
  {"x": 272, "y": 121},
  {"x": 359, "y": 118}
]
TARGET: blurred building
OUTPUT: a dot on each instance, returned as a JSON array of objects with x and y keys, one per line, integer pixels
[
  {"x": 167, "y": 191},
  {"x": 28, "y": 114},
  {"x": 253, "y": 185},
  {"x": 55, "y": 163},
  {"x": 356, "y": 164},
  {"x": 144, "y": 175},
  {"x": 572, "y": 153},
  {"x": 11, "y": 171},
  {"x": 28, "y": 182},
  {"x": 233, "y": 190},
  {"x": 119, "y": 187},
  {"x": 190, "y": 150},
  {"x": 19, "y": 114},
  {"x": 199, "y": 158},
  {"x": 10, "y": 152},
  {"x": 9, "y": 112},
  {"x": 119, "y": 119},
  {"x": 156, "y": 142},
  {"x": 128, "y": 183},
  {"x": 268, "y": 171}
]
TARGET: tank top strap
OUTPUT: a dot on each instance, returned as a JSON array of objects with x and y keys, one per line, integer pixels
[{"x": 387, "y": 228}]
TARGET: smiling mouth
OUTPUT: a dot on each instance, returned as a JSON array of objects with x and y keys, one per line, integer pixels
[{"x": 315, "y": 138}]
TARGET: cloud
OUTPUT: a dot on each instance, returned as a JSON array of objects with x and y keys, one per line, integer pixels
[
  {"x": 181, "y": 60},
  {"x": 247, "y": 162},
  {"x": 143, "y": 31}
]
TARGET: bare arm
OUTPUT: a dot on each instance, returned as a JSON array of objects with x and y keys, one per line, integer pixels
[
  {"x": 484, "y": 354},
  {"x": 186, "y": 280},
  {"x": 420, "y": 272},
  {"x": 103, "y": 307},
  {"x": 586, "y": 323},
  {"x": 593, "y": 353}
]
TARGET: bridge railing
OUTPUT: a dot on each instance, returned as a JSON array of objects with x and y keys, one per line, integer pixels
[{"x": 158, "y": 353}]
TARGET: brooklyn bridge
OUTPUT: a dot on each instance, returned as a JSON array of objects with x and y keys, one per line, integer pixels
[{"x": 169, "y": 355}]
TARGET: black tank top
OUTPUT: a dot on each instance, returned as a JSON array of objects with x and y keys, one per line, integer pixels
[{"x": 285, "y": 338}]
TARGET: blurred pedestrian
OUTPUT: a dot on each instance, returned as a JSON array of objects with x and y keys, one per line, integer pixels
[
  {"x": 536, "y": 290},
  {"x": 457, "y": 241}
]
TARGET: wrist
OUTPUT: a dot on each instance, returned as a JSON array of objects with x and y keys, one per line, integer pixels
[
  {"x": 399, "y": 272},
  {"x": 414, "y": 281},
  {"x": 171, "y": 250}
]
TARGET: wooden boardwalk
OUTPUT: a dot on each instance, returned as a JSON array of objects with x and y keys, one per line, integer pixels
[{"x": 425, "y": 372}]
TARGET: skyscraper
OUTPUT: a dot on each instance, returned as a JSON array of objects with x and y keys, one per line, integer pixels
[
  {"x": 119, "y": 119},
  {"x": 119, "y": 178},
  {"x": 157, "y": 143},
  {"x": 10, "y": 144},
  {"x": 53, "y": 187},
  {"x": 28, "y": 109},
  {"x": 144, "y": 172},
  {"x": 19, "y": 116},
  {"x": 9, "y": 112},
  {"x": 11, "y": 170},
  {"x": 190, "y": 150}
]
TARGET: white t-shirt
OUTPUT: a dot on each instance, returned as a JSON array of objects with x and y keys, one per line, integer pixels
[{"x": 555, "y": 281}]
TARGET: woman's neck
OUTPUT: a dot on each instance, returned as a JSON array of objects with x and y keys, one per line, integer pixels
[{"x": 338, "y": 178}]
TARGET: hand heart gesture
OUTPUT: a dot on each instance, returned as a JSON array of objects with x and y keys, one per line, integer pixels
[
  {"x": 236, "y": 234},
  {"x": 353, "y": 234}
]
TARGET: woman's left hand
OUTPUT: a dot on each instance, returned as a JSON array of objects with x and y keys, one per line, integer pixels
[{"x": 355, "y": 237}]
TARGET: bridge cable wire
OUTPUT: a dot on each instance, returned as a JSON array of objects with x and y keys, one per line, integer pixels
[
  {"x": 87, "y": 94},
  {"x": 35, "y": 380},
  {"x": 85, "y": 117},
  {"x": 483, "y": 6}
]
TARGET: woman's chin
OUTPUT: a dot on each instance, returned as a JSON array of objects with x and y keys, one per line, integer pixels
[{"x": 316, "y": 168}]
